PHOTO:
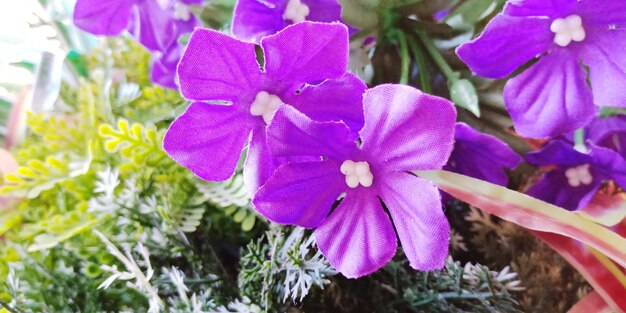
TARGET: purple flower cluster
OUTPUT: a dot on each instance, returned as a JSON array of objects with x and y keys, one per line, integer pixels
[
  {"x": 156, "y": 25},
  {"x": 324, "y": 152},
  {"x": 315, "y": 136},
  {"x": 552, "y": 96},
  {"x": 578, "y": 172}
]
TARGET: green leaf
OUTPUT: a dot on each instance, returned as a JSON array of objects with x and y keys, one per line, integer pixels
[
  {"x": 78, "y": 63},
  {"x": 248, "y": 223},
  {"x": 472, "y": 11},
  {"x": 47, "y": 241},
  {"x": 463, "y": 94},
  {"x": 362, "y": 14},
  {"x": 529, "y": 212}
]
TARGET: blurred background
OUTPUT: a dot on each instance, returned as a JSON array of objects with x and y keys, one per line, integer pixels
[{"x": 35, "y": 39}]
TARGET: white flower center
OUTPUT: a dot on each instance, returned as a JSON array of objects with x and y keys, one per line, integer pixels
[
  {"x": 579, "y": 175},
  {"x": 357, "y": 173},
  {"x": 567, "y": 30},
  {"x": 182, "y": 12},
  {"x": 265, "y": 105},
  {"x": 296, "y": 11}
]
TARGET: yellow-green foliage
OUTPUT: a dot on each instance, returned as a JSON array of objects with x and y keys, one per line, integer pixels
[
  {"x": 139, "y": 144},
  {"x": 37, "y": 176},
  {"x": 115, "y": 129},
  {"x": 60, "y": 133}
]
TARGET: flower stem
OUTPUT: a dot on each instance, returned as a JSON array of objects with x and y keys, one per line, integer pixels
[
  {"x": 421, "y": 66},
  {"x": 579, "y": 140},
  {"x": 404, "y": 56},
  {"x": 443, "y": 65}
]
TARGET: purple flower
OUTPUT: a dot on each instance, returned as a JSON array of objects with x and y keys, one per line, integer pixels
[
  {"x": 609, "y": 132},
  {"x": 146, "y": 20},
  {"x": 255, "y": 19},
  {"x": 404, "y": 130},
  {"x": 156, "y": 27},
  {"x": 576, "y": 176},
  {"x": 552, "y": 96},
  {"x": 481, "y": 156},
  {"x": 209, "y": 137}
]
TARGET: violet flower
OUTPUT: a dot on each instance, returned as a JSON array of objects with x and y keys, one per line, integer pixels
[
  {"x": 576, "y": 176},
  {"x": 146, "y": 20},
  {"x": 404, "y": 130},
  {"x": 552, "y": 96},
  {"x": 609, "y": 132},
  {"x": 481, "y": 156},
  {"x": 156, "y": 27},
  {"x": 209, "y": 137},
  {"x": 255, "y": 19}
]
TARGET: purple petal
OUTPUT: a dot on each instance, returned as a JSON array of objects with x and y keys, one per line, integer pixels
[
  {"x": 554, "y": 188},
  {"x": 558, "y": 153},
  {"x": 292, "y": 133},
  {"x": 108, "y": 18},
  {"x": 547, "y": 8},
  {"x": 506, "y": 43},
  {"x": 333, "y": 100},
  {"x": 358, "y": 237},
  {"x": 603, "y": 12},
  {"x": 550, "y": 98},
  {"x": 255, "y": 19},
  {"x": 481, "y": 156},
  {"x": 217, "y": 67},
  {"x": 208, "y": 139},
  {"x": 417, "y": 213},
  {"x": 323, "y": 10},
  {"x": 182, "y": 26},
  {"x": 609, "y": 165},
  {"x": 307, "y": 52},
  {"x": 153, "y": 26},
  {"x": 609, "y": 133},
  {"x": 301, "y": 193},
  {"x": 407, "y": 129},
  {"x": 164, "y": 66},
  {"x": 603, "y": 52},
  {"x": 259, "y": 164}
]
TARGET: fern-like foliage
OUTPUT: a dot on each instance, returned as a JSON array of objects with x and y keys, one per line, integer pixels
[
  {"x": 37, "y": 176},
  {"x": 58, "y": 132},
  {"x": 284, "y": 268},
  {"x": 225, "y": 194},
  {"x": 233, "y": 197},
  {"x": 141, "y": 145}
]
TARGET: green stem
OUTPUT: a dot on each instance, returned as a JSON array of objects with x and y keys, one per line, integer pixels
[
  {"x": 579, "y": 140},
  {"x": 193, "y": 281},
  {"x": 421, "y": 66},
  {"x": 404, "y": 57},
  {"x": 456, "y": 295},
  {"x": 443, "y": 65},
  {"x": 7, "y": 307}
]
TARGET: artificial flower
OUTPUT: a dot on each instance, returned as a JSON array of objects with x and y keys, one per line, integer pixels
[
  {"x": 552, "y": 96},
  {"x": 255, "y": 19},
  {"x": 481, "y": 156},
  {"x": 156, "y": 26},
  {"x": 243, "y": 97},
  {"x": 404, "y": 130},
  {"x": 146, "y": 20},
  {"x": 608, "y": 132},
  {"x": 575, "y": 176}
]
